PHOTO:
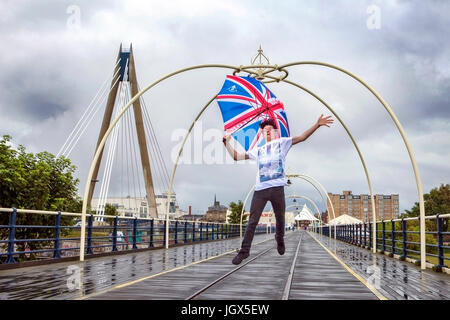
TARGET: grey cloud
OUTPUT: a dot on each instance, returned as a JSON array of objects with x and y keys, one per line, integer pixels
[{"x": 49, "y": 75}]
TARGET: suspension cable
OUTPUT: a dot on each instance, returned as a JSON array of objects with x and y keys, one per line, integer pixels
[
  {"x": 83, "y": 118},
  {"x": 88, "y": 122}
]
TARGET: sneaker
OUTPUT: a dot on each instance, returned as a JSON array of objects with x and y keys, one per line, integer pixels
[
  {"x": 239, "y": 257},
  {"x": 281, "y": 248}
]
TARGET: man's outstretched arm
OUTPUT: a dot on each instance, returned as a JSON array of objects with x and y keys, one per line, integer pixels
[
  {"x": 323, "y": 121},
  {"x": 233, "y": 153}
]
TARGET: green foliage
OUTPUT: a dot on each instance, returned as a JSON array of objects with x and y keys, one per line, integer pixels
[
  {"x": 36, "y": 181},
  {"x": 437, "y": 201},
  {"x": 110, "y": 210},
  {"x": 235, "y": 216}
]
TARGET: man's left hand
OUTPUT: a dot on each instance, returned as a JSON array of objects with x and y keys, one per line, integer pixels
[{"x": 325, "y": 121}]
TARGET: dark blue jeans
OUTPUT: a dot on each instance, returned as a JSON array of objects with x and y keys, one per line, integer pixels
[{"x": 276, "y": 196}]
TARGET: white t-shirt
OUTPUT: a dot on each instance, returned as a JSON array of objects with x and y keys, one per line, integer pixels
[{"x": 270, "y": 159}]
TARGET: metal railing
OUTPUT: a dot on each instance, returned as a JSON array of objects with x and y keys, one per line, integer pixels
[
  {"x": 116, "y": 234},
  {"x": 396, "y": 237}
]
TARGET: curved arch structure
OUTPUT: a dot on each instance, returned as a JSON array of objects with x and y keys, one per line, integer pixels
[
  {"x": 261, "y": 72},
  {"x": 310, "y": 201},
  {"x": 321, "y": 191},
  {"x": 405, "y": 140},
  {"x": 295, "y": 196}
]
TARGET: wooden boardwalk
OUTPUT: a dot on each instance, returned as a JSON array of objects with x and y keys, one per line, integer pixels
[
  {"x": 101, "y": 273},
  {"x": 322, "y": 269},
  {"x": 317, "y": 276},
  {"x": 398, "y": 280}
]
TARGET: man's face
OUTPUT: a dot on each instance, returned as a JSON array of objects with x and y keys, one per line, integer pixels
[{"x": 269, "y": 133}]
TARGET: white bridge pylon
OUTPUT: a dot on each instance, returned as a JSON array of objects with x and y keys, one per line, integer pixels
[{"x": 123, "y": 175}]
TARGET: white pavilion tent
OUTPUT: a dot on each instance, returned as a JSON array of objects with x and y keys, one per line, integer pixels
[
  {"x": 305, "y": 215},
  {"x": 344, "y": 219}
]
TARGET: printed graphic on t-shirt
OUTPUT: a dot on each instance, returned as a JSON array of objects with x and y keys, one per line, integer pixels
[{"x": 270, "y": 162}]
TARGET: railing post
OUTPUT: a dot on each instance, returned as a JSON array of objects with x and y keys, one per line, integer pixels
[
  {"x": 11, "y": 236},
  {"x": 185, "y": 231},
  {"x": 353, "y": 233},
  {"x": 221, "y": 231},
  {"x": 440, "y": 223},
  {"x": 114, "y": 247},
  {"x": 150, "y": 244},
  {"x": 384, "y": 236},
  {"x": 165, "y": 235},
  {"x": 365, "y": 234},
  {"x": 193, "y": 231},
  {"x": 89, "y": 235},
  {"x": 360, "y": 234},
  {"x": 370, "y": 235},
  {"x": 56, "y": 251},
  {"x": 404, "y": 234},
  {"x": 176, "y": 232},
  {"x": 393, "y": 238},
  {"x": 135, "y": 233},
  {"x": 201, "y": 233}
]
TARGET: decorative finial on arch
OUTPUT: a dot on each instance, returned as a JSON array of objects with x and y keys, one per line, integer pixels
[
  {"x": 258, "y": 64},
  {"x": 259, "y": 56}
]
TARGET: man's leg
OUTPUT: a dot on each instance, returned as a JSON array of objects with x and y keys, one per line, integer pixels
[
  {"x": 279, "y": 206},
  {"x": 259, "y": 201}
]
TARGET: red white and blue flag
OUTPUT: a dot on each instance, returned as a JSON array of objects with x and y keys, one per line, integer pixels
[{"x": 245, "y": 102}]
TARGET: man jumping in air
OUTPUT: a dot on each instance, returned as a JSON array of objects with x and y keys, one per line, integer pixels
[{"x": 270, "y": 179}]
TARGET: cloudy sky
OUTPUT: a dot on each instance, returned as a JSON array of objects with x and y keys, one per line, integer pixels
[{"x": 56, "y": 55}]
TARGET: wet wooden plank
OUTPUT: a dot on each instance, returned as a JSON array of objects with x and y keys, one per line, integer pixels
[
  {"x": 317, "y": 275},
  {"x": 399, "y": 280},
  {"x": 100, "y": 273}
]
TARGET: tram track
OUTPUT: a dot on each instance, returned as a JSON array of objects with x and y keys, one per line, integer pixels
[{"x": 287, "y": 286}]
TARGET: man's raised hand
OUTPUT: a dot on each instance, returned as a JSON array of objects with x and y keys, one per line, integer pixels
[
  {"x": 324, "y": 121},
  {"x": 226, "y": 138}
]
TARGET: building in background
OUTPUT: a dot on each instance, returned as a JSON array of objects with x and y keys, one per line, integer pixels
[
  {"x": 216, "y": 213},
  {"x": 137, "y": 207},
  {"x": 268, "y": 218},
  {"x": 360, "y": 207},
  {"x": 192, "y": 217}
]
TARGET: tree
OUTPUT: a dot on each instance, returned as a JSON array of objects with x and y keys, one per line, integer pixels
[
  {"x": 36, "y": 181},
  {"x": 437, "y": 201},
  {"x": 235, "y": 216},
  {"x": 110, "y": 210}
]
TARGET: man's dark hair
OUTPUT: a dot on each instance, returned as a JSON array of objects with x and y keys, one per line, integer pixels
[{"x": 268, "y": 122}]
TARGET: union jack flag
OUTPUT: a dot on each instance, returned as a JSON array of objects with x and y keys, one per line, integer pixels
[{"x": 244, "y": 103}]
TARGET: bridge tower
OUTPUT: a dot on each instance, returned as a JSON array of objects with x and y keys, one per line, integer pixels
[{"x": 126, "y": 68}]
